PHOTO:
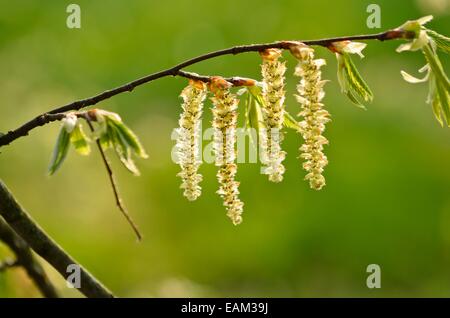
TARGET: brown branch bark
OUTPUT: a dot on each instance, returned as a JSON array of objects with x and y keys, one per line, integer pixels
[
  {"x": 177, "y": 71},
  {"x": 26, "y": 259},
  {"x": 21, "y": 222}
]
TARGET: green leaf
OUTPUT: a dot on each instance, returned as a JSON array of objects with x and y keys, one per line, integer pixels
[
  {"x": 433, "y": 99},
  {"x": 253, "y": 113},
  {"x": 129, "y": 137},
  {"x": 60, "y": 151},
  {"x": 341, "y": 73},
  {"x": 114, "y": 133},
  {"x": 290, "y": 122},
  {"x": 441, "y": 83},
  {"x": 436, "y": 105},
  {"x": 436, "y": 66},
  {"x": 355, "y": 100},
  {"x": 247, "y": 109},
  {"x": 105, "y": 140},
  {"x": 248, "y": 125},
  {"x": 121, "y": 148},
  {"x": 345, "y": 87},
  {"x": 103, "y": 134},
  {"x": 352, "y": 84},
  {"x": 80, "y": 141},
  {"x": 356, "y": 82},
  {"x": 256, "y": 92},
  {"x": 128, "y": 162},
  {"x": 444, "y": 101},
  {"x": 442, "y": 42}
]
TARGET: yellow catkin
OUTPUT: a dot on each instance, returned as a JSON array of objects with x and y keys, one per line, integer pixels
[
  {"x": 310, "y": 94},
  {"x": 272, "y": 156},
  {"x": 224, "y": 124},
  {"x": 188, "y": 138}
]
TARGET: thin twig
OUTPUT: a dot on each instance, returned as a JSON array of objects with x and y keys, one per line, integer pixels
[
  {"x": 22, "y": 223},
  {"x": 26, "y": 259},
  {"x": 177, "y": 71},
  {"x": 114, "y": 186}
]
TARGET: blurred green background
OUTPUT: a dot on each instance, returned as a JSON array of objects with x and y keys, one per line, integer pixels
[{"x": 388, "y": 181}]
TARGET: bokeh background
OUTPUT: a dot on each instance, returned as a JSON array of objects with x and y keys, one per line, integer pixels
[{"x": 387, "y": 199}]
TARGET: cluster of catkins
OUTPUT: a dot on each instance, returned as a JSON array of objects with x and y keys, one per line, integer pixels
[{"x": 225, "y": 104}]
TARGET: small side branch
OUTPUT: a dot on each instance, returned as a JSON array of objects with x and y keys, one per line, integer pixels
[
  {"x": 22, "y": 223},
  {"x": 26, "y": 259},
  {"x": 114, "y": 186}
]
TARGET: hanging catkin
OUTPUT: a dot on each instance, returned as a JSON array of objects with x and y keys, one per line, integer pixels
[
  {"x": 310, "y": 94},
  {"x": 224, "y": 124},
  {"x": 188, "y": 138},
  {"x": 272, "y": 156}
]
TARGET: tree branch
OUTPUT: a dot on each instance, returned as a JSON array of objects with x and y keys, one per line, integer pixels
[
  {"x": 114, "y": 186},
  {"x": 19, "y": 220},
  {"x": 177, "y": 71},
  {"x": 25, "y": 258}
]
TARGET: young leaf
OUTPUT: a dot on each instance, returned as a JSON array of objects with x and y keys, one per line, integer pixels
[
  {"x": 444, "y": 101},
  {"x": 414, "y": 80},
  {"x": 441, "y": 83},
  {"x": 253, "y": 113},
  {"x": 80, "y": 141},
  {"x": 254, "y": 116},
  {"x": 60, "y": 150},
  {"x": 248, "y": 126},
  {"x": 290, "y": 122},
  {"x": 344, "y": 83},
  {"x": 358, "y": 84},
  {"x": 433, "y": 98},
  {"x": 341, "y": 73},
  {"x": 128, "y": 162},
  {"x": 114, "y": 133},
  {"x": 352, "y": 84},
  {"x": 103, "y": 133},
  {"x": 129, "y": 137},
  {"x": 246, "y": 107},
  {"x": 442, "y": 42},
  {"x": 436, "y": 66},
  {"x": 437, "y": 109},
  {"x": 105, "y": 140},
  {"x": 122, "y": 148}
]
